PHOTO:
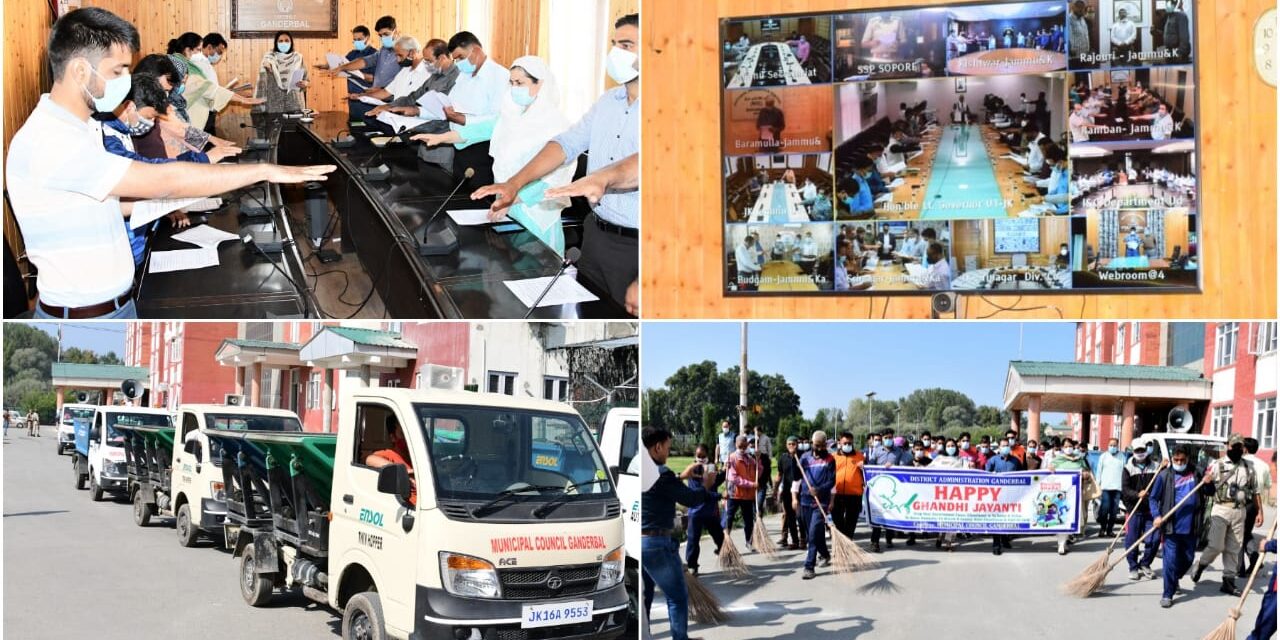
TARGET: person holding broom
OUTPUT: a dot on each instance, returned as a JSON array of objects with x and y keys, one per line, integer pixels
[
  {"x": 705, "y": 516},
  {"x": 1139, "y": 471},
  {"x": 659, "y": 550},
  {"x": 1181, "y": 528},
  {"x": 846, "y": 503},
  {"x": 788, "y": 474},
  {"x": 741, "y": 470},
  {"x": 818, "y": 478}
]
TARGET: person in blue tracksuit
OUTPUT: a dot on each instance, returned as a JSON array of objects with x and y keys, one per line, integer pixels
[
  {"x": 818, "y": 478},
  {"x": 1137, "y": 474},
  {"x": 1181, "y": 528},
  {"x": 1265, "y": 626},
  {"x": 705, "y": 516}
]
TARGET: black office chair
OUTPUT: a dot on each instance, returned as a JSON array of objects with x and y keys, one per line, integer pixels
[{"x": 18, "y": 291}]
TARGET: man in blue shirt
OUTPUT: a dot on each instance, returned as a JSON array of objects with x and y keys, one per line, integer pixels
[
  {"x": 383, "y": 62},
  {"x": 360, "y": 49},
  {"x": 1003, "y": 462},
  {"x": 610, "y": 132},
  {"x": 818, "y": 478},
  {"x": 659, "y": 550},
  {"x": 1181, "y": 528}
]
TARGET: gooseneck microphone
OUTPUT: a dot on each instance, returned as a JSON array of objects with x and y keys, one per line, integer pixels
[
  {"x": 248, "y": 240},
  {"x": 466, "y": 175},
  {"x": 256, "y": 144},
  {"x": 570, "y": 257},
  {"x": 379, "y": 172},
  {"x": 444, "y": 241}
]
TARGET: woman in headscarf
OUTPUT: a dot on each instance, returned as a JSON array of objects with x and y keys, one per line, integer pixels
[
  {"x": 277, "y": 84},
  {"x": 200, "y": 95},
  {"x": 530, "y": 117}
]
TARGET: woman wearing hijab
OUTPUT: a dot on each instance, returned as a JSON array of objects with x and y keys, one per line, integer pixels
[
  {"x": 200, "y": 94},
  {"x": 276, "y": 80},
  {"x": 530, "y": 117}
]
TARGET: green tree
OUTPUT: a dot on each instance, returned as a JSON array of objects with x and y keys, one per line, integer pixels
[{"x": 710, "y": 426}]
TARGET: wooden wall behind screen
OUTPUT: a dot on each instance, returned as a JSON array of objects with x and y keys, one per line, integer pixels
[
  {"x": 683, "y": 230},
  {"x": 26, "y": 76}
]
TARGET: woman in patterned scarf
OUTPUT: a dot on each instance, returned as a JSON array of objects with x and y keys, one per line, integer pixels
[{"x": 277, "y": 82}]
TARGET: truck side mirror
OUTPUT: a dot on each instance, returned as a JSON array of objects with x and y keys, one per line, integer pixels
[
  {"x": 95, "y": 434},
  {"x": 193, "y": 447},
  {"x": 394, "y": 479},
  {"x": 613, "y": 473}
]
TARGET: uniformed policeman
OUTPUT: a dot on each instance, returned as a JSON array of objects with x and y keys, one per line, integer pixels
[{"x": 1235, "y": 487}]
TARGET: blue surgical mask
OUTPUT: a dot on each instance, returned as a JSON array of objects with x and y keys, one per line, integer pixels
[
  {"x": 1112, "y": 450},
  {"x": 388, "y": 42},
  {"x": 180, "y": 89},
  {"x": 465, "y": 66},
  {"x": 284, "y": 47},
  {"x": 113, "y": 92},
  {"x": 360, "y": 45},
  {"x": 951, "y": 451},
  {"x": 1032, "y": 450},
  {"x": 1179, "y": 467},
  {"x": 215, "y": 58},
  {"x": 520, "y": 96},
  {"x": 847, "y": 448},
  {"x": 1004, "y": 451}
]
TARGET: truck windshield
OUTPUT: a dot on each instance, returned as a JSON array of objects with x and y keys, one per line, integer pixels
[
  {"x": 477, "y": 453},
  {"x": 115, "y": 438},
  {"x": 71, "y": 414},
  {"x": 234, "y": 422}
]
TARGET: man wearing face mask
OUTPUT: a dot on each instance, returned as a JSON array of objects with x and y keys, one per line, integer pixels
[
  {"x": 725, "y": 443},
  {"x": 889, "y": 454},
  {"x": 60, "y": 177},
  {"x": 1032, "y": 461},
  {"x": 846, "y": 501},
  {"x": 705, "y": 516},
  {"x": 1003, "y": 462},
  {"x": 818, "y": 478},
  {"x": 1110, "y": 472},
  {"x": 608, "y": 133},
  {"x": 360, "y": 48},
  {"x": 444, "y": 74},
  {"x": 1138, "y": 472},
  {"x": 741, "y": 470},
  {"x": 1016, "y": 448},
  {"x": 1071, "y": 459},
  {"x": 1181, "y": 528},
  {"x": 788, "y": 474},
  {"x": 477, "y": 98},
  {"x": 414, "y": 71},
  {"x": 1235, "y": 487},
  {"x": 384, "y": 63}
]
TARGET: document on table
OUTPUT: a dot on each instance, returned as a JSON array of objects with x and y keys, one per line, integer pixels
[
  {"x": 399, "y": 122},
  {"x": 146, "y": 211},
  {"x": 182, "y": 260},
  {"x": 370, "y": 100},
  {"x": 566, "y": 291},
  {"x": 473, "y": 217},
  {"x": 433, "y": 104},
  {"x": 205, "y": 236}
]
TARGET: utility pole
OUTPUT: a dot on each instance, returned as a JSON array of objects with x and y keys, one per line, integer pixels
[
  {"x": 742, "y": 386},
  {"x": 870, "y": 396}
]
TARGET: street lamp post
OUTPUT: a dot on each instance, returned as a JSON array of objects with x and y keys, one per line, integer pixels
[{"x": 870, "y": 396}]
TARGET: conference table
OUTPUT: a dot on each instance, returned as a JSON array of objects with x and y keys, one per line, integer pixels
[
  {"x": 775, "y": 60},
  {"x": 382, "y": 224},
  {"x": 779, "y": 202}
]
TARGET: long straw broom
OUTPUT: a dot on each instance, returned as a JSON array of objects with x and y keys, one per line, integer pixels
[
  {"x": 1227, "y": 630},
  {"x": 846, "y": 555},
  {"x": 1101, "y": 563},
  {"x": 760, "y": 535},
  {"x": 704, "y": 606},
  {"x": 1091, "y": 579},
  {"x": 731, "y": 561}
]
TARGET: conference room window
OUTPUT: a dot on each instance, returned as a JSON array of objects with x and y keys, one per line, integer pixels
[
  {"x": 1225, "y": 344},
  {"x": 313, "y": 391},
  {"x": 1220, "y": 426},
  {"x": 501, "y": 382},
  {"x": 555, "y": 388},
  {"x": 1264, "y": 422}
]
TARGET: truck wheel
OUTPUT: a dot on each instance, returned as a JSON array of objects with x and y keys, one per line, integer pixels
[
  {"x": 362, "y": 619},
  {"x": 255, "y": 588},
  {"x": 141, "y": 512},
  {"x": 95, "y": 490},
  {"x": 187, "y": 532},
  {"x": 80, "y": 478}
]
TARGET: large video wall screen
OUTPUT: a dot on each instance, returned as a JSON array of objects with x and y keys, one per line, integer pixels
[{"x": 987, "y": 148}]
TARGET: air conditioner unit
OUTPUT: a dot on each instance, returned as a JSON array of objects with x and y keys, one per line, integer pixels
[
  {"x": 234, "y": 400},
  {"x": 442, "y": 377}
]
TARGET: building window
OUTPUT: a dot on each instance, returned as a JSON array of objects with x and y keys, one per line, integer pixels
[
  {"x": 1122, "y": 335},
  {"x": 502, "y": 382},
  {"x": 1224, "y": 344},
  {"x": 1266, "y": 342},
  {"x": 1264, "y": 422},
  {"x": 1137, "y": 333},
  {"x": 1220, "y": 426},
  {"x": 313, "y": 391},
  {"x": 1186, "y": 343},
  {"x": 555, "y": 388}
]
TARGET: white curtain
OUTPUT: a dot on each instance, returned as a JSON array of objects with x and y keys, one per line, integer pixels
[
  {"x": 476, "y": 16},
  {"x": 579, "y": 40}
]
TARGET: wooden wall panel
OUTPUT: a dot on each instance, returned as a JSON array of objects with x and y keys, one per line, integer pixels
[
  {"x": 160, "y": 20},
  {"x": 26, "y": 76},
  {"x": 681, "y": 273},
  {"x": 516, "y": 25}
]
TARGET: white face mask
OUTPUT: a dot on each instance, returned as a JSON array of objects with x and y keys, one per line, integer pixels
[{"x": 620, "y": 65}]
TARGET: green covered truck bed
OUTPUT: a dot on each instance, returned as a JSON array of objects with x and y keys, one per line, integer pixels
[
  {"x": 311, "y": 454},
  {"x": 156, "y": 435}
]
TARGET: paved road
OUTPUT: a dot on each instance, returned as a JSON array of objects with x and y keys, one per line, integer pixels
[
  {"x": 922, "y": 592},
  {"x": 74, "y": 568}
]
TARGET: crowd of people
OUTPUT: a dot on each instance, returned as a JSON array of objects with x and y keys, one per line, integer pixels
[
  {"x": 1101, "y": 106},
  {"x": 965, "y": 39},
  {"x": 816, "y": 475}
]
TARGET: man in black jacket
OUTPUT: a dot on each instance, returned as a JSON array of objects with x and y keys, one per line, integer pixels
[
  {"x": 788, "y": 473},
  {"x": 659, "y": 550},
  {"x": 1138, "y": 472}
]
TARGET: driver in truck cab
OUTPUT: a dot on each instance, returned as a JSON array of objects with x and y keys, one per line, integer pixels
[{"x": 396, "y": 453}]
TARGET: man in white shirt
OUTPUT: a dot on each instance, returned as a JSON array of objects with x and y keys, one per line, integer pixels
[
  {"x": 477, "y": 97},
  {"x": 1161, "y": 122},
  {"x": 65, "y": 187},
  {"x": 912, "y": 247},
  {"x": 1033, "y": 162},
  {"x": 1124, "y": 33},
  {"x": 808, "y": 247},
  {"x": 1079, "y": 123},
  {"x": 748, "y": 264}
]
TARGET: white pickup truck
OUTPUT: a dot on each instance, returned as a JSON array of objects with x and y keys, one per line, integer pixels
[
  {"x": 620, "y": 442},
  {"x": 99, "y": 458},
  {"x": 67, "y": 424}
]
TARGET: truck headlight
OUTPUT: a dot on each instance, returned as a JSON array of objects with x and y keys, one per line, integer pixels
[
  {"x": 216, "y": 489},
  {"x": 468, "y": 576},
  {"x": 611, "y": 569}
]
